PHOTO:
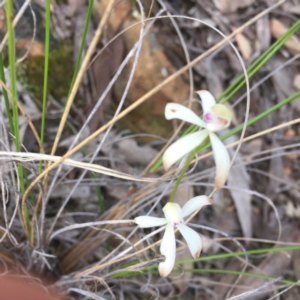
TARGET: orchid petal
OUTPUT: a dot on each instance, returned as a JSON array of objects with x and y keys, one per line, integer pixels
[
  {"x": 147, "y": 221},
  {"x": 220, "y": 118},
  {"x": 222, "y": 160},
  {"x": 192, "y": 238},
  {"x": 178, "y": 111},
  {"x": 194, "y": 204},
  {"x": 207, "y": 101},
  {"x": 215, "y": 126},
  {"x": 223, "y": 113},
  {"x": 173, "y": 213},
  {"x": 168, "y": 249},
  {"x": 183, "y": 146}
]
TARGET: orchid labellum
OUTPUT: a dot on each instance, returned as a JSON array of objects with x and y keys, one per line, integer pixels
[
  {"x": 174, "y": 218},
  {"x": 216, "y": 117}
]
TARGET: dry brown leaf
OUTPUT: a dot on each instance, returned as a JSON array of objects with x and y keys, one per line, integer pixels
[
  {"x": 278, "y": 30},
  {"x": 244, "y": 46},
  {"x": 227, "y": 6},
  {"x": 153, "y": 67},
  {"x": 106, "y": 64},
  {"x": 296, "y": 82},
  {"x": 118, "y": 15}
]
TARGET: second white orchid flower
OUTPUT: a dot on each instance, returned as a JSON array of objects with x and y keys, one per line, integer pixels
[
  {"x": 174, "y": 218},
  {"x": 216, "y": 118}
]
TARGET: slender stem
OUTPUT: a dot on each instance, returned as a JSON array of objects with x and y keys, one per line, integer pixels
[
  {"x": 182, "y": 172},
  {"x": 46, "y": 67}
]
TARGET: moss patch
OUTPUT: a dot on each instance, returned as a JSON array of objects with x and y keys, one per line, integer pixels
[{"x": 61, "y": 68}]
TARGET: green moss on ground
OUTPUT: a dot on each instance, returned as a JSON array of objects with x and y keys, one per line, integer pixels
[{"x": 61, "y": 68}]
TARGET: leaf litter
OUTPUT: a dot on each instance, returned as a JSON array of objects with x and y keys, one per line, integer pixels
[{"x": 263, "y": 167}]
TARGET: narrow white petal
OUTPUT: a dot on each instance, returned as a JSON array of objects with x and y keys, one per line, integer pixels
[
  {"x": 148, "y": 221},
  {"x": 207, "y": 100},
  {"x": 183, "y": 146},
  {"x": 222, "y": 160},
  {"x": 178, "y": 111},
  {"x": 173, "y": 213},
  {"x": 194, "y": 204},
  {"x": 192, "y": 238},
  {"x": 215, "y": 126},
  {"x": 168, "y": 249}
]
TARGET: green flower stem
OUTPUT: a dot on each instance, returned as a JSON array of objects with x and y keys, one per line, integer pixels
[{"x": 181, "y": 174}]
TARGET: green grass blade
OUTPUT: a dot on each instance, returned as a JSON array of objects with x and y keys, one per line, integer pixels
[
  {"x": 82, "y": 44},
  {"x": 13, "y": 87},
  {"x": 153, "y": 269},
  {"x": 13, "y": 81},
  {"x": 46, "y": 68},
  {"x": 12, "y": 70}
]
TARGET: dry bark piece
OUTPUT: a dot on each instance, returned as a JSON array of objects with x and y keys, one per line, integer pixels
[
  {"x": 278, "y": 30},
  {"x": 228, "y": 6}
]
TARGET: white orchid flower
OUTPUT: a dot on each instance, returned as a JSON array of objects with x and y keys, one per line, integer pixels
[
  {"x": 216, "y": 118},
  {"x": 174, "y": 218}
]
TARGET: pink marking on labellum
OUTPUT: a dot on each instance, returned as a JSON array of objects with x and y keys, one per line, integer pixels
[{"x": 208, "y": 117}]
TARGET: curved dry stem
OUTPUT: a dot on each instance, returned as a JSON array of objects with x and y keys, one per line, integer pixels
[{"x": 27, "y": 156}]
